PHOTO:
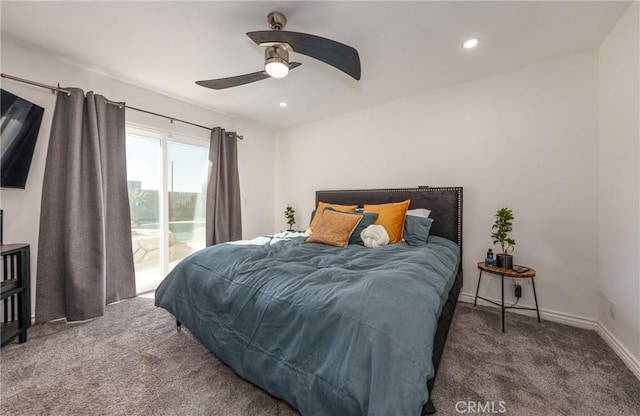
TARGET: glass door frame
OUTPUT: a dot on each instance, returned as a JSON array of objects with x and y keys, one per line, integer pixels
[{"x": 164, "y": 137}]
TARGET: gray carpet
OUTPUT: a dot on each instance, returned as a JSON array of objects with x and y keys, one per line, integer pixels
[{"x": 133, "y": 362}]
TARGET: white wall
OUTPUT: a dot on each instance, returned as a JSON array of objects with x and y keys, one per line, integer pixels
[
  {"x": 619, "y": 186},
  {"x": 22, "y": 207},
  {"x": 524, "y": 139}
]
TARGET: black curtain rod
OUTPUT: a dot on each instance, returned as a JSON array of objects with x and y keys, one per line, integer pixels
[{"x": 58, "y": 89}]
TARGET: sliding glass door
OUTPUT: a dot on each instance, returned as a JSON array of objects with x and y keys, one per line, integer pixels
[
  {"x": 144, "y": 181},
  {"x": 167, "y": 178},
  {"x": 187, "y": 192}
]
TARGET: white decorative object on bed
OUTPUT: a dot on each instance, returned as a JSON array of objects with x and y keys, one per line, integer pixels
[{"x": 375, "y": 236}]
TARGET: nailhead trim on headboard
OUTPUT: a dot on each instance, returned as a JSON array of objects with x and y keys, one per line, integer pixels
[{"x": 326, "y": 197}]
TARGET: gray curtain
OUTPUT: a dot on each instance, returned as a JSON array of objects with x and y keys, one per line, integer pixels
[
  {"x": 224, "y": 221},
  {"x": 85, "y": 259}
]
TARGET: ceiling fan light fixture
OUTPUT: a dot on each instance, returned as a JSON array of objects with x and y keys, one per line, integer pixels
[
  {"x": 276, "y": 62},
  {"x": 276, "y": 69}
]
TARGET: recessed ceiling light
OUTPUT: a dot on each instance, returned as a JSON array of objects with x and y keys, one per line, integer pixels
[
  {"x": 471, "y": 43},
  {"x": 283, "y": 104}
]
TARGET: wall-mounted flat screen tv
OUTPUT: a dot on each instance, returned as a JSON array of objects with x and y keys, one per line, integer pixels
[{"x": 19, "y": 129}]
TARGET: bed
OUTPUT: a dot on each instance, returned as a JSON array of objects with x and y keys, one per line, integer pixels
[{"x": 332, "y": 331}]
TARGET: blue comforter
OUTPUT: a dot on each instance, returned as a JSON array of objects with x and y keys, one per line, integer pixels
[{"x": 332, "y": 331}]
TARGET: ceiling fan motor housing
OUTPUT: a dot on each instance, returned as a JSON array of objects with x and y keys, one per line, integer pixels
[{"x": 276, "y": 54}]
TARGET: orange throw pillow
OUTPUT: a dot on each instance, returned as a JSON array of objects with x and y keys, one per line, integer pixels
[
  {"x": 320, "y": 211},
  {"x": 391, "y": 217},
  {"x": 334, "y": 228}
]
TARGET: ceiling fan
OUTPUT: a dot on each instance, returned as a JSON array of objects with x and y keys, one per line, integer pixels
[{"x": 278, "y": 43}]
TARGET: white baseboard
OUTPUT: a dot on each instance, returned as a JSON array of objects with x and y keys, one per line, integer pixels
[
  {"x": 553, "y": 316},
  {"x": 568, "y": 319},
  {"x": 625, "y": 355}
]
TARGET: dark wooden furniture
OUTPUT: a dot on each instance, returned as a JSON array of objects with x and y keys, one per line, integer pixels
[
  {"x": 529, "y": 274},
  {"x": 15, "y": 292}
]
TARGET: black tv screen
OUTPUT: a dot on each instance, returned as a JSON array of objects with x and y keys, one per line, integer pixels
[{"x": 19, "y": 129}]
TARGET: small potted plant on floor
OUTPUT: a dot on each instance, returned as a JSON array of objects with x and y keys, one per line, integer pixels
[
  {"x": 503, "y": 226},
  {"x": 290, "y": 215}
]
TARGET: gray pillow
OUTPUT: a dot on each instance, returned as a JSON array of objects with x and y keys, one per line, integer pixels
[
  {"x": 368, "y": 218},
  {"x": 313, "y": 214},
  {"x": 416, "y": 230}
]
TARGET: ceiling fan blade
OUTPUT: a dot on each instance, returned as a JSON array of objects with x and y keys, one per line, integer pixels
[
  {"x": 336, "y": 54},
  {"x": 222, "y": 83}
]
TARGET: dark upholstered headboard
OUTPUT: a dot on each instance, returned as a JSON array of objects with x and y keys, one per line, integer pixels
[{"x": 445, "y": 204}]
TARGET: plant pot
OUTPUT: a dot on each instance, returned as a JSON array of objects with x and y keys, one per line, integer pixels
[{"x": 505, "y": 261}]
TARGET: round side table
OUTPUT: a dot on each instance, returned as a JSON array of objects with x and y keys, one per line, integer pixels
[{"x": 529, "y": 274}]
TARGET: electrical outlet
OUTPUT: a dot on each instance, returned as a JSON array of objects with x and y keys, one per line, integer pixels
[
  {"x": 518, "y": 291},
  {"x": 612, "y": 310}
]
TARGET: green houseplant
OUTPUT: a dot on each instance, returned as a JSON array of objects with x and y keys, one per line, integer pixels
[
  {"x": 502, "y": 227},
  {"x": 290, "y": 215}
]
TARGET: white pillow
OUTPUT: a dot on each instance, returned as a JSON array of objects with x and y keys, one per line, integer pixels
[{"x": 419, "y": 212}]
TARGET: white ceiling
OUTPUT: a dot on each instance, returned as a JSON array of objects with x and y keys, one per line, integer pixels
[{"x": 405, "y": 47}]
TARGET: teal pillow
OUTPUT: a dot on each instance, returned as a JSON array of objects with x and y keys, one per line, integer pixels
[
  {"x": 368, "y": 218},
  {"x": 313, "y": 214},
  {"x": 416, "y": 230}
]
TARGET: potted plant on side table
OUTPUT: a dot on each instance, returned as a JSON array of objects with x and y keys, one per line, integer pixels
[
  {"x": 290, "y": 215},
  {"x": 503, "y": 226}
]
